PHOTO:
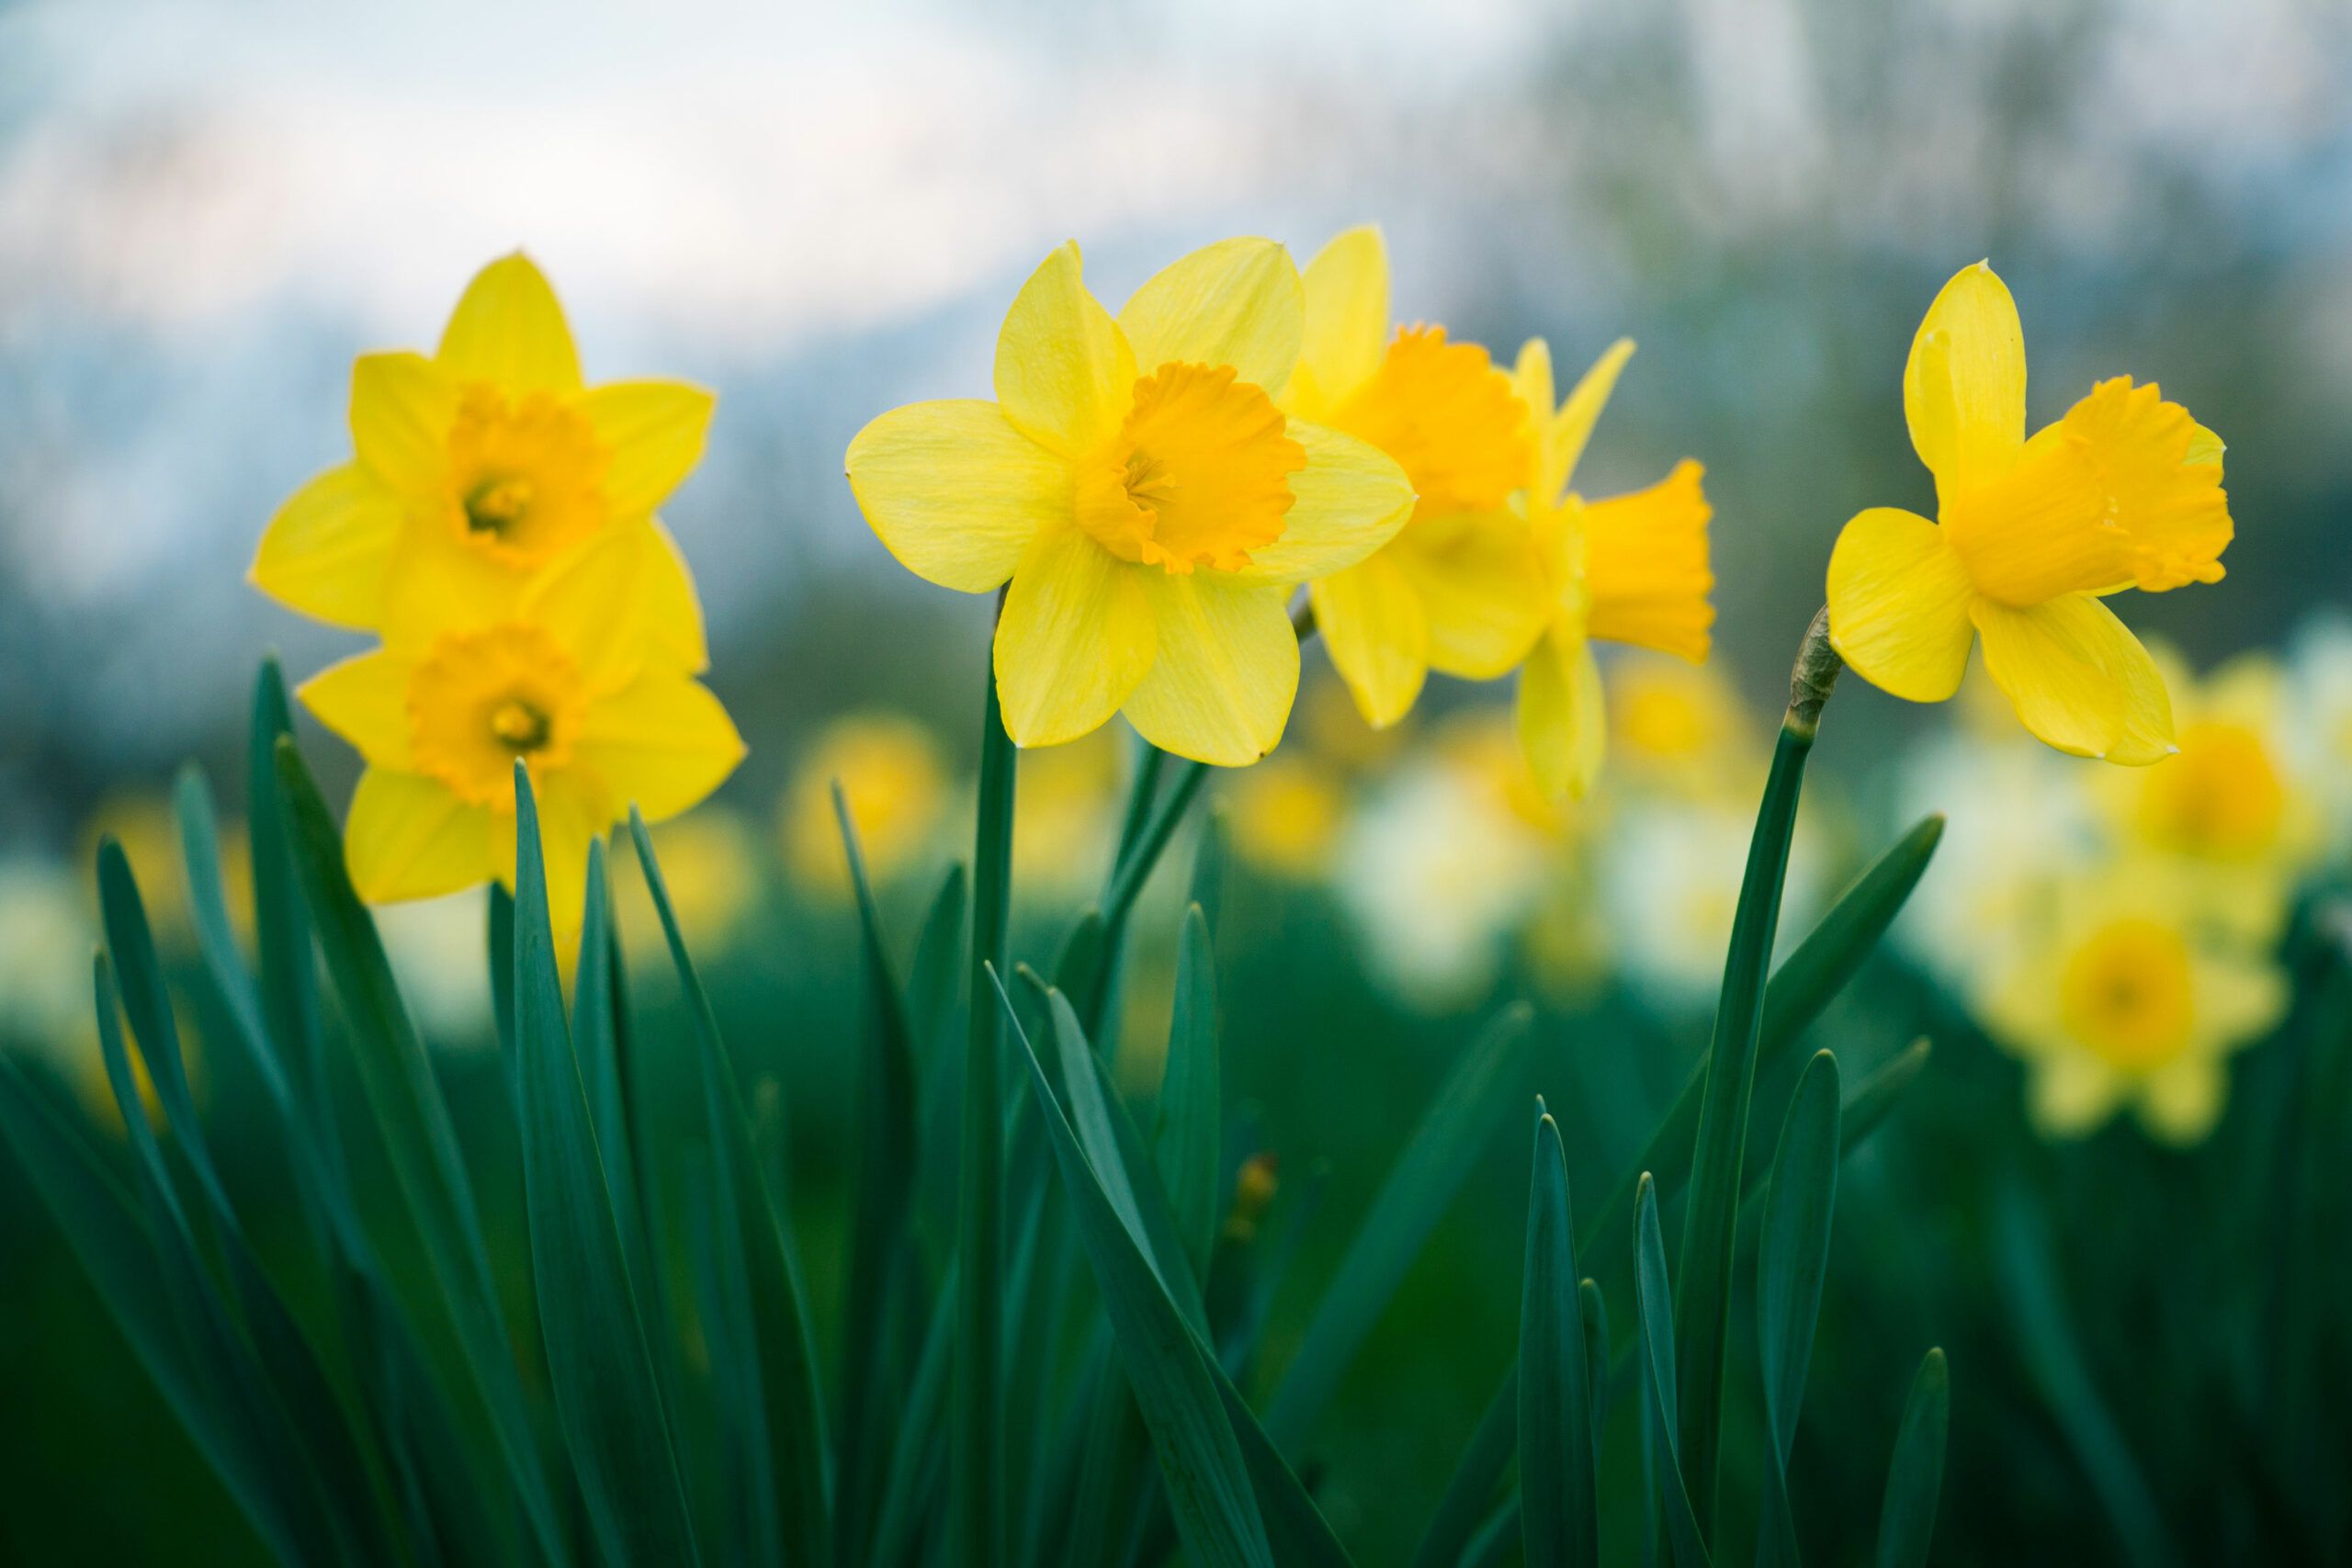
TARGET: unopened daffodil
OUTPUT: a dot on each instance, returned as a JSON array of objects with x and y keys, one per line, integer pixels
[
  {"x": 2124, "y": 492},
  {"x": 479, "y": 468},
  {"x": 1143, "y": 500}
]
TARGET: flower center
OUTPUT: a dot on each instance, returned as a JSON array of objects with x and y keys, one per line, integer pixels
[
  {"x": 2221, "y": 798},
  {"x": 1449, "y": 418},
  {"x": 479, "y": 700},
  {"x": 2126, "y": 994},
  {"x": 526, "y": 477},
  {"x": 1197, "y": 476}
]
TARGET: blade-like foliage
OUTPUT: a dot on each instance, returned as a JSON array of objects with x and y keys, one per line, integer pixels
[
  {"x": 1915, "y": 1477},
  {"x": 1558, "y": 1512},
  {"x": 1792, "y": 1255},
  {"x": 1654, "y": 1314}
]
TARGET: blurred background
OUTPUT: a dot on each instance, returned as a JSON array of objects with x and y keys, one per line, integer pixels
[{"x": 207, "y": 208}]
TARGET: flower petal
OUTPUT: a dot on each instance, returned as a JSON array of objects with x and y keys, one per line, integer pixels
[
  {"x": 2078, "y": 678},
  {"x": 1349, "y": 499},
  {"x": 1237, "y": 302},
  {"x": 1345, "y": 320},
  {"x": 674, "y": 625},
  {"x": 955, "y": 491},
  {"x": 326, "y": 551},
  {"x": 407, "y": 836},
  {"x": 2070, "y": 1093},
  {"x": 365, "y": 700},
  {"x": 1645, "y": 563},
  {"x": 2181, "y": 1102},
  {"x": 1076, "y": 635},
  {"x": 653, "y": 432},
  {"x": 435, "y": 584},
  {"x": 1377, "y": 634},
  {"x": 508, "y": 329},
  {"x": 1220, "y": 688},
  {"x": 1963, "y": 389},
  {"x": 1566, "y": 433},
  {"x": 1898, "y": 605},
  {"x": 661, "y": 743},
  {"x": 1478, "y": 582},
  {"x": 1064, "y": 375},
  {"x": 402, "y": 407},
  {"x": 1563, "y": 717},
  {"x": 593, "y": 602}
]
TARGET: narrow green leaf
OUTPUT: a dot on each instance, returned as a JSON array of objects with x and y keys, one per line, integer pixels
[
  {"x": 1595, "y": 1312},
  {"x": 1192, "y": 1112},
  {"x": 595, "y": 1041},
  {"x": 916, "y": 1447},
  {"x": 1464, "y": 1507},
  {"x": 1452, "y": 1132},
  {"x": 1882, "y": 1089},
  {"x": 1135, "y": 868},
  {"x": 1208, "y": 864},
  {"x": 1654, "y": 1308},
  {"x": 1559, "y": 1520},
  {"x": 1915, "y": 1477},
  {"x": 287, "y": 966},
  {"x": 1792, "y": 1255},
  {"x": 1143, "y": 788},
  {"x": 785, "y": 1432}
]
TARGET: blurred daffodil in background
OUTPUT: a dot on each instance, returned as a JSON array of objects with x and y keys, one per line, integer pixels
[
  {"x": 1285, "y": 816},
  {"x": 2031, "y": 535},
  {"x": 896, "y": 787},
  {"x": 1064, "y": 819},
  {"x": 712, "y": 869},
  {"x": 1144, "y": 504}
]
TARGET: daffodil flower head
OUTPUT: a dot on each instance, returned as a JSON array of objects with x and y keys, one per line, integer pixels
[
  {"x": 561, "y": 684},
  {"x": 892, "y": 780},
  {"x": 482, "y": 468},
  {"x": 1143, "y": 500},
  {"x": 2031, "y": 535},
  {"x": 1448, "y": 593},
  {"x": 1632, "y": 569}
]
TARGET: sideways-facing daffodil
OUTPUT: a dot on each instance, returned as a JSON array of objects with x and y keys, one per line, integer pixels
[
  {"x": 1147, "y": 504},
  {"x": 2125, "y": 491},
  {"x": 1631, "y": 569},
  {"x": 1438, "y": 595},
  {"x": 564, "y": 685},
  {"x": 479, "y": 468}
]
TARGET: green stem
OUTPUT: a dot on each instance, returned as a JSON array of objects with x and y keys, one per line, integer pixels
[
  {"x": 1703, "y": 1288},
  {"x": 980, "y": 1407}
]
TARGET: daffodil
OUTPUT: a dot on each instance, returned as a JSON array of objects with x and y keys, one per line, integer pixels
[
  {"x": 895, "y": 786},
  {"x": 477, "y": 470},
  {"x": 562, "y": 684},
  {"x": 1680, "y": 727},
  {"x": 2031, "y": 537},
  {"x": 2122, "y": 1001},
  {"x": 1631, "y": 569},
  {"x": 1141, "y": 499},
  {"x": 1285, "y": 817},
  {"x": 711, "y": 870},
  {"x": 1440, "y": 594}
]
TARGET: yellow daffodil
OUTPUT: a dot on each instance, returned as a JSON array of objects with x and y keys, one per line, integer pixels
[
  {"x": 2125, "y": 1002},
  {"x": 2125, "y": 491},
  {"x": 1285, "y": 817},
  {"x": 479, "y": 470},
  {"x": 895, "y": 786},
  {"x": 711, "y": 870},
  {"x": 1065, "y": 817},
  {"x": 1149, "y": 505},
  {"x": 1631, "y": 569},
  {"x": 562, "y": 684},
  {"x": 1680, "y": 727},
  {"x": 1429, "y": 599}
]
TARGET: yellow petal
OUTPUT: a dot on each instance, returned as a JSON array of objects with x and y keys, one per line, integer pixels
[
  {"x": 408, "y": 837},
  {"x": 1963, "y": 390},
  {"x": 1220, "y": 687},
  {"x": 1645, "y": 564},
  {"x": 653, "y": 432},
  {"x": 326, "y": 551},
  {"x": 365, "y": 700},
  {"x": 2181, "y": 1102},
  {"x": 402, "y": 407},
  {"x": 1563, "y": 718},
  {"x": 1064, "y": 375},
  {"x": 1478, "y": 582},
  {"x": 1530, "y": 377},
  {"x": 1566, "y": 434},
  {"x": 2070, "y": 1094},
  {"x": 593, "y": 604},
  {"x": 673, "y": 626},
  {"x": 1237, "y": 302},
  {"x": 1076, "y": 635},
  {"x": 955, "y": 491},
  {"x": 1349, "y": 499},
  {"x": 1347, "y": 316},
  {"x": 508, "y": 329},
  {"x": 2078, "y": 678},
  {"x": 435, "y": 584},
  {"x": 1378, "y": 636},
  {"x": 661, "y": 743},
  {"x": 1898, "y": 605}
]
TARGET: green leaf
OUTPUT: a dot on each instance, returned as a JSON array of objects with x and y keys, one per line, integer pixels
[
  {"x": 1792, "y": 1255},
  {"x": 1192, "y": 1113},
  {"x": 1882, "y": 1089},
  {"x": 1915, "y": 1477},
  {"x": 1654, "y": 1307},
  {"x": 784, "y": 1430},
  {"x": 419, "y": 1140},
  {"x": 287, "y": 964},
  {"x": 916, "y": 1448},
  {"x": 1135, "y": 868},
  {"x": 1702, "y": 1320},
  {"x": 1208, "y": 864},
  {"x": 596, "y": 1039},
  {"x": 1596, "y": 1357},
  {"x": 1804, "y": 982},
  {"x": 599, "y": 1364},
  {"x": 1206, "y": 1475},
  {"x": 1558, "y": 1510},
  {"x": 1452, "y": 1132},
  {"x": 1464, "y": 1507}
]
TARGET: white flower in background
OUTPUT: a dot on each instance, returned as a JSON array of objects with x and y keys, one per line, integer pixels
[
  {"x": 439, "y": 949},
  {"x": 2320, "y": 730},
  {"x": 1669, "y": 885},
  {"x": 46, "y": 940}
]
